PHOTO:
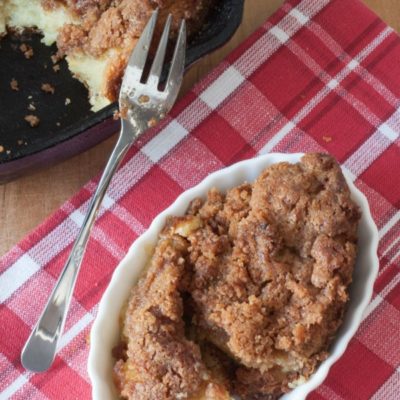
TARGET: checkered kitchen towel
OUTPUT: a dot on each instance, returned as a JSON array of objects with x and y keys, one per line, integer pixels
[{"x": 318, "y": 76}]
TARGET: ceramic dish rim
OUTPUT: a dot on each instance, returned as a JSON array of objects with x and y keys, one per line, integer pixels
[{"x": 178, "y": 207}]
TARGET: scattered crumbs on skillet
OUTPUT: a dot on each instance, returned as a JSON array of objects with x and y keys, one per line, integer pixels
[
  {"x": 32, "y": 120},
  {"x": 1, "y": 148},
  {"x": 31, "y": 107},
  {"x": 56, "y": 68},
  {"x": 47, "y": 88},
  {"x": 14, "y": 84},
  {"x": 327, "y": 139},
  {"x": 55, "y": 58},
  {"x": 67, "y": 101},
  {"x": 27, "y": 50}
]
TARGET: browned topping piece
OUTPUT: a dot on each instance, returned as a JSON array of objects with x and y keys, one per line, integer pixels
[
  {"x": 1, "y": 149},
  {"x": 14, "y": 85},
  {"x": 56, "y": 68},
  {"x": 116, "y": 115},
  {"x": 123, "y": 112},
  {"x": 260, "y": 273},
  {"x": 47, "y": 88},
  {"x": 27, "y": 50},
  {"x": 55, "y": 58},
  {"x": 151, "y": 123},
  {"x": 32, "y": 120}
]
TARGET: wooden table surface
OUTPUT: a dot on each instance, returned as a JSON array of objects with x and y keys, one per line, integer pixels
[{"x": 24, "y": 203}]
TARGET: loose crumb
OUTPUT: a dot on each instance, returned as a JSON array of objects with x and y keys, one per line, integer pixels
[
  {"x": 56, "y": 68},
  {"x": 20, "y": 142},
  {"x": 152, "y": 123},
  {"x": 123, "y": 112},
  {"x": 29, "y": 97},
  {"x": 327, "y": 139},
  {"x": 8, "y": 152},
  {"x": 116, "y": 115},
  {"x": 14, "y": 85},
  {"x": 27, "y": 50},
  {"x": 32, "y": 120},
  {"x": 55, "y": 58},
  {"x": 31, "y": 107},
  {"x": 144, "y": 99},
  {"x": 67, "y": 101},
  {"x": 58, "y": 124},
  {"x": 1, "y": 149},
  {"x": 47, "y": 88}
]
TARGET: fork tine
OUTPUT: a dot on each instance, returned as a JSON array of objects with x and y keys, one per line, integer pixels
[
  {"x": 138, "y": 58},
  {"x": 176, "y": 71},
  {"x": 156, "y": 68}
]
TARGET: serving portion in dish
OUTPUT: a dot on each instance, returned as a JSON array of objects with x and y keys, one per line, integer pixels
[
  {"x": 258, "y": 276},
  {"x": 98, "y": 36},
  {"x": 245, "y": 290}
]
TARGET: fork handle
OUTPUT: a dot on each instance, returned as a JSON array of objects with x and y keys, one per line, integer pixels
[{"x": 40, "y": 349}]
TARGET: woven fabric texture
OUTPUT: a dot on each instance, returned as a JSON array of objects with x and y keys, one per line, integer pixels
[{"x": 320, "y": 76}]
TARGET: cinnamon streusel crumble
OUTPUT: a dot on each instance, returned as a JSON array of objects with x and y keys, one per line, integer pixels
[{"x": 245, "y": 293}]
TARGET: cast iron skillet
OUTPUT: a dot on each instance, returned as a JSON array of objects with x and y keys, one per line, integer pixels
[{"x": 67, "y": 129}]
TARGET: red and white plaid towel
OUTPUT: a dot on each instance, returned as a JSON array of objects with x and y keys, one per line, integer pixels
[{"x": 318, "y": 76}]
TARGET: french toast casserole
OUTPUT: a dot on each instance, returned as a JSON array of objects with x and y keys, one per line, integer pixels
[
  {"x": 244, "y": 294},
  {"x": 97, "y": 36}
]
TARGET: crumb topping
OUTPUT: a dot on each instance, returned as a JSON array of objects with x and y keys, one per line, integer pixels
[
  {"x": 117, "y": 25},
  {"x": 260, "y": 274}
]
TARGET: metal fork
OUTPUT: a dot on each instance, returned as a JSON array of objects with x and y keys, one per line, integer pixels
[{"x": 142, "y": 105}]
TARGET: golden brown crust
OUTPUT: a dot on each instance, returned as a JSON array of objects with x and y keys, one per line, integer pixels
[
  {"x": 106, "y": 25},
  {"x": 262, "y": 273}
]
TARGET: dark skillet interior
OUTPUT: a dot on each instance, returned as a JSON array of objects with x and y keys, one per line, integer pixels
[{"x": 61, "y": 123}]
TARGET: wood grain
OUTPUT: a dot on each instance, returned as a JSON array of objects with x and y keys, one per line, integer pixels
[{"x": 24, "y": 203}]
